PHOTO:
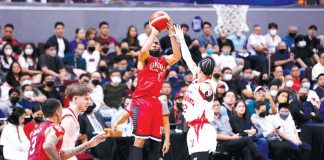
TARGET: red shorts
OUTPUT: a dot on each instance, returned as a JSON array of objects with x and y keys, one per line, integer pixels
[{"x": 146, "y": 113}]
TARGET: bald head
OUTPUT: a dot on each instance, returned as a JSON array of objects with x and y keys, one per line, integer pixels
[{"x": 292, "y": 29}]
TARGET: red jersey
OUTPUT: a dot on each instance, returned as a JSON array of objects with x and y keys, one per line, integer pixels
[
  {"x": 38, "y": 138},
  {"x": 28, "y": 128},
  {"x": 151, "y": 77}
]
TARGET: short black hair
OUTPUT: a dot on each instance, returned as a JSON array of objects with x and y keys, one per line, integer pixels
[
  {"x": 103, "y": 23},
  {"x": 24, "y": 87},
  {"x": 14, "y": 117},
  {"x": 44, "y": 76},
  {"x": 258, "y": 104},
  {"x": 230, "y": 91},
  {"x": 25, "y": 74},
  {"x": 114, "y": 71},
  {"x": 206, "y": 23},
  {"x": 50, "y": 106},
  {"x": 246, "y": 67},
  {"x": 12, "y": 90},
  {"x": 312, "y": 27},
  {"x": 227, "y": 44},
  {"x": 226, "y": 68},
  {"x": 78, "y": 29},
  {"x": 119, "y": 58},
  {"x": 299, "y": 38},
  {"x": 207, "y": 65},
  {"x": 36, "y": 108},
  {"x": 9, "y": 25},
  {"x": 59, "y": 23},
  {"x": 272, "y": 25},
  {"x": 275, "y": 83},
  {"x": 49, "y": 45},
  {"x": 283, "y": 105},
  {"x": 184, "y": 25},
  {"x": 84, "y": 75},
  {"x": 146, "y": 23},
  {"x": 322, "y": 74}
]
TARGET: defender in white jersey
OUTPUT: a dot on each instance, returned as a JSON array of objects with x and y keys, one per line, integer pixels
[{"x": 197, "y": 105}]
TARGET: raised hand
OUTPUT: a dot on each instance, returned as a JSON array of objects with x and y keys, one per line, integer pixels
[
  {"x": 97, "y": 139},
  {"x": 178, "y": 33}
]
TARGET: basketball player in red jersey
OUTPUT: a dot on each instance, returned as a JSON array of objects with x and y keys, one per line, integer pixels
[
  {"x": 78, "y": 94},
  {"x": 146, "y": 109},
  {"x": 46, "y": 139}
]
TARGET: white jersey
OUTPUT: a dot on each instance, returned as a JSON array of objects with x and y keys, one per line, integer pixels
[{"x": 198, "y": 113}]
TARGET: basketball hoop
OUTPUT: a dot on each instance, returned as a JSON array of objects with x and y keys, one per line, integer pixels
[{"x": 231, "y": 18}]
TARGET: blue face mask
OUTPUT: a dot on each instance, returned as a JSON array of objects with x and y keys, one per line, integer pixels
[
  {"x": 210, "y": 51},
  {"x": 226, "y": 53}
]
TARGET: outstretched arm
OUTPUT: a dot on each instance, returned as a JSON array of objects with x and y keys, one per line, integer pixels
[
  {"x": 176, "y": 56},
  {"x": 185, "y": 51},
  {"x": 145, "y": 51}
]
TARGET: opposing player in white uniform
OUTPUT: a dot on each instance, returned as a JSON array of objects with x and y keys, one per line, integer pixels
[{"x": 197, "y": 105}]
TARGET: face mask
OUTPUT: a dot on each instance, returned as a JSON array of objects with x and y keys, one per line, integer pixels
[
  {"x": 303, "y": 98},
  {"x": 53, "y": 53},
  {"x": 116, "y": 80},
  {"x": 227, "y": 77},
  {"x": 91, "y": 49},
  {"x": 38, "y": 119},
  {"x": 155, "y": 53},
  {"x": 263, "y": 114},
  {"x": 306, "y": 85},
  {"x": 302, "y": 44},
  {"x": 95, "y": 82},
  {"x": 122, "y": 69},
  {"x": 273, "y": 93},
  {"x": 26, "y": 82},
  {"x": 265, "y": 81},
  {"x": 292, "y": 35},
  {"x": 124, "y": 50},
  {"x": 273, "y": 32},
  {"x": 282, "y": 51},
  {"x": 50, "y": 83},
  {"x": 90, "y": 109},
  {"x": 14, "y": 100},
  {"x": 179, "y": 106},
  {"x": 103, "y": 68},
  {"x": 29, "y": 51},
  {"x": 226, "y": 53},
  {"x": 210, "y": 51},
  {"x": 248, "y": 76},
  {"x": 239, "y": 34},
  {"x": 79, "y": 53},
  {"x": 282, "y": 100},
  {"x": 8, "y": 52},
  {"x": 105, "y": 50},
  {"x": 29, "y": 94},
  {"x": 289, "y": 83},
  {"x": 283, "y": 115}
]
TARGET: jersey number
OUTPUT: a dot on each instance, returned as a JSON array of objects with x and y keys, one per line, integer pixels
[{"x": 32, "y": 150}]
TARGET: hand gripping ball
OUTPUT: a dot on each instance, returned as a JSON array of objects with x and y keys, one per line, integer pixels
[{"x": 159, "y": 20}]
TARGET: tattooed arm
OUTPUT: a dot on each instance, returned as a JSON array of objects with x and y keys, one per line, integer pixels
[{"x": 50, "y": 142}]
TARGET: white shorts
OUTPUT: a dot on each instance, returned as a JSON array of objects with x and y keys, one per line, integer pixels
[{"x": 205, "y": 142}]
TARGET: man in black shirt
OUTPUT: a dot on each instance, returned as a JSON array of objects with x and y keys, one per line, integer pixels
[
  {"x": 48, "y": 88},
  {"x": 303, "y": 54}
]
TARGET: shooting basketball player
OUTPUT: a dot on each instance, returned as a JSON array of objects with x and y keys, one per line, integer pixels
[
  {"x": 46, "y": 139},
  {"x": 78, "y": 93},
  {"x": 146, "y": 109},
  {"x": 197, "y": 104}
]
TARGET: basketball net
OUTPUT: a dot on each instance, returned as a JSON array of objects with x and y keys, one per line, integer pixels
[{"x": 231, "y": 19}]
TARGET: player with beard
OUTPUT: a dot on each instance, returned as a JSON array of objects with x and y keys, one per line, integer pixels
[{"x": 146, "y": 109}]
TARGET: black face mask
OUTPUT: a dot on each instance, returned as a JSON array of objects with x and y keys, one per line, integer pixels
[
  {"x": 282, "y": 51},
  {"x": 292, "y": 35},
  {"x": 124, "y": 50},
  {"x": 90, "y": 109},
  {"x": 14, "y": 100},
  {"x": 50, "y": 83},
  {"x": 103, "y": 68},
  {"x": 179, "y": 106},
  {"x": 303, "y": 98},
  {"x": 91, "y": 49},
  {"x": 95, "y": 82},
  {"x": 155, "y": 53},
  {"x": 216, "y": 75},
  {"x": 86, "y": 81},
  {"x": 265, "y": 82},
  {"x": 263, "y": 114},
  {"x": 105, "y": 50},
  {"x": 38, "y": 119}
]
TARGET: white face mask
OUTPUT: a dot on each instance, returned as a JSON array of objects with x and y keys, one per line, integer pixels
[
  {"x": 29, "y": 94},
  {"x": 289, "y": 83},
  {"x": 29, "y": 51},
  {"x": 302, "y": 44},
  {"x": 116, "y": 79},
  {"x": 273, "y": 32},
  {"x": 227, "y": 77},
  {"x": 239, "y": 34},
  {"x": 8, "y": 52},
  {"x": 273, "y": 93},
  {"x": 53, "y": 53},
  {"x": 306, "y": 85},
  {"x": 26, "y": 82}
]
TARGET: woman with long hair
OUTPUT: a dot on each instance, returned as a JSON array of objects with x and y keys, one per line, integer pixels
[
  {"x": 29, "y": 62},
  {"x": 14, "y": 74},
  {"x": 7, "y": 56},
  {"x": 131, "y": 39}
]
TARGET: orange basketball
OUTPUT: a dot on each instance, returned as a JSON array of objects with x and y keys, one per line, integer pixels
[{"x": 159, "y": 20}]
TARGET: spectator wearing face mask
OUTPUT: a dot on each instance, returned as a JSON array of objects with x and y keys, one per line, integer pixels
[
  {"x": 303, "y": 54},
  {"x": 261, "y": 95},
  {"x": 27, "y": 101},
  {"x": 103, "y": 70},
  {"x": 12, "y": 102},
  {"x": 127, "y": 126},
  {"x": 302, "y": 110},
  {"x": 289, "y": 83},
  {"x": 48, "y": 88},
  {"x": 272, "y": 39},
  {"x": 246, "y": 84},
  {"x": 239, "y": 41},
  {"x": 290, "y": 37},
  {"x": 97, "y": 92},
  {"x": 8, "y": 33},
  {"x": 312, "y": 96},
  {"x": 115, "y": 90},
  {"x": 282, "y": 57},
  {"x": 227, "y": 60},
  {"x": 28, "y": 60},
  {"x": 176, "y": 117},
  {"x": 91, "y": 56},
  {"x": 273, "y": 89},
  {"x": 26, "y": 79},
  {"x": 104, "y": 51},
  {"x": 320, "y": 87},
  {"x": 264, "y": 80},
  {"x": 227, "y": 77},
  {"x": 7, "y": 56},
  {"x": 78, "y": 64},
  {"x": 51, "y": 64},
  {"x": 38, "y": 118}
]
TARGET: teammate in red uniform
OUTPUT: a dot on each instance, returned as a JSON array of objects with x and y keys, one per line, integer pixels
[
  {"x": 46, "y": 139},
  {"x": 146, "y": 109}
]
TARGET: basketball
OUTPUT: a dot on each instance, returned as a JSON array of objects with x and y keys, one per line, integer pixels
[{"x": 159, "y": 20}]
